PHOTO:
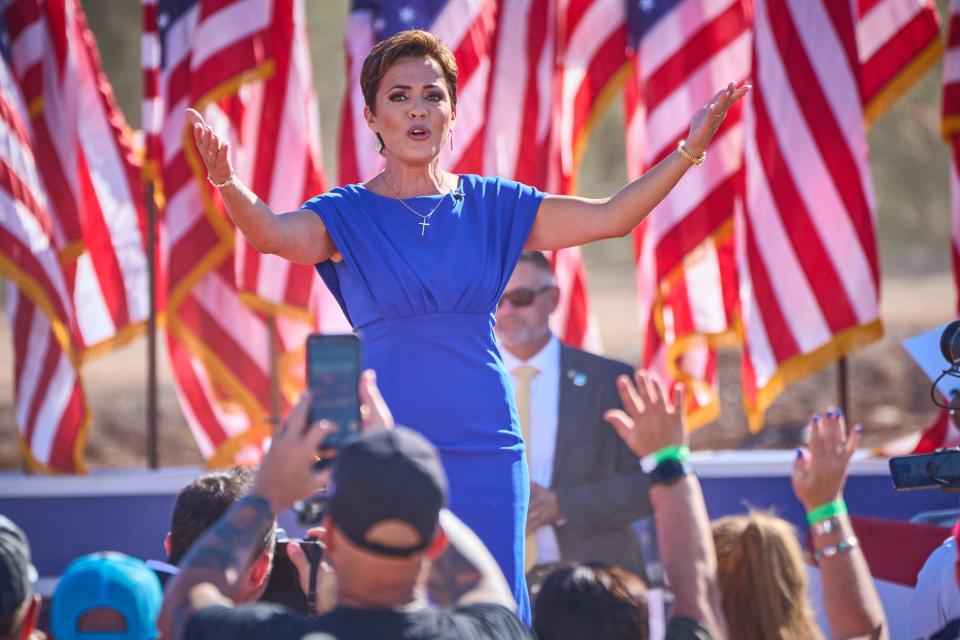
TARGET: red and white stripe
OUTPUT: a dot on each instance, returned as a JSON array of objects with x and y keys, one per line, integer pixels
[
  {"x": 244, "y": 65},
  {"x": 88, "y": 167},
  {"x": 51, "y": 412},
  {"x": 898, "y": 41},
  {"x": 807, "y": 252},
  {"x": 686, "y": 277},
  {"x": 591, "y": 44}
]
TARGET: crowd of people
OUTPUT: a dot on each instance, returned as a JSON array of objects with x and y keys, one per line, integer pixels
[{"x": 397, "y": 564}]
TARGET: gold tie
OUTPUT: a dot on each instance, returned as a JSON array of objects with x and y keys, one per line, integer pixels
[{"x": 524, "y": 374}]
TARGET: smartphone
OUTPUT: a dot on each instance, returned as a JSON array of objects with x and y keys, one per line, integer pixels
[
  {"x": 283, "y": 586},
  {"x": 333, "y": 370},
  {"x": 926, "y": 470}
]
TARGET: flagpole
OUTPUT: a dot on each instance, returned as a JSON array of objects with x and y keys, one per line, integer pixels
[
  {"x": 843, "y": 386},
  {"x": 153, "y": 461},
  {"x": 274, "y": 372}
]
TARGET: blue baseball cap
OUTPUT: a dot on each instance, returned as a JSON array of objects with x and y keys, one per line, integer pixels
[{"x": 107, "y": 581}]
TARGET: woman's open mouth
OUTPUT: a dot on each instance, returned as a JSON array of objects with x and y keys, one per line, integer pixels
[{"x": 418, "y": 133}]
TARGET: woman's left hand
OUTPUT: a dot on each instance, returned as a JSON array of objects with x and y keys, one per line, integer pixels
[{"x": 707, "y": 120}]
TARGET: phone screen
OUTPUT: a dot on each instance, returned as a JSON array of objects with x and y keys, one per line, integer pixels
[
  {"x": 923, "y": 471},
  {"x": 333, "y": 368}
]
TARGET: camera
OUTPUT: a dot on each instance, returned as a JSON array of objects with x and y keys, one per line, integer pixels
[
  {"x": 940, "y": 469},
  {"x": 283, "y": 587}
]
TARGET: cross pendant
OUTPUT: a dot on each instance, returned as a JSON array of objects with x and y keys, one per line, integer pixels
[{"x": 423, "y": 226}]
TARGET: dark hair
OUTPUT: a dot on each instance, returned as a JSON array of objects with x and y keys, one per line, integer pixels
[
  {"x": 411, "y": 43},
  {"x": 591, "y": 600},
  {"x": 202, "y": 502},
  {"x": 537, "y": 259}
]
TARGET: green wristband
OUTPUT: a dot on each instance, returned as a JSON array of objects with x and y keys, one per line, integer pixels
[
  {"x": 675, "y": 452},
  {"x": 826, "y": 511}
]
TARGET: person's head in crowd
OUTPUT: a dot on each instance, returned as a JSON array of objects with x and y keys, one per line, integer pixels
[
  {"x": 106, "y": 595},
  {"x": 762, "y": 577},
  {"x": 383, "y": 520},
  {"x": 19, "y": 605},
  {"x": 523, "y": 314},
  {"x": 199, "y": 505},
  {"x": 591, "y": 601}
]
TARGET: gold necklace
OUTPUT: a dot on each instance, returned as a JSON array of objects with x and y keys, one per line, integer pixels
[{"x": 424, "y": 219}]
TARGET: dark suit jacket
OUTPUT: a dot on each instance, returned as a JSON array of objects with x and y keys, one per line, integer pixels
[{"x": 597, "y": 479}]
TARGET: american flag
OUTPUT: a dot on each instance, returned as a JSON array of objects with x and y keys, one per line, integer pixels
[
  {"x": 92, "y": 222},
  {"x": 508, "y": 55},
  {"x": 244, "y": 64},
  {"x": 683, "y": 52},
  {"x": 687, "y": 271},
  {"x": 806, "y": 245},
  {"x": 898, "y": 41},
  {"x": 87, "y": 163},
  {"x": 51, "y": 410}
]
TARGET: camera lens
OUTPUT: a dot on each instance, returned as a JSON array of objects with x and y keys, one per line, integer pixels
[{"x": 950, "y": 342}]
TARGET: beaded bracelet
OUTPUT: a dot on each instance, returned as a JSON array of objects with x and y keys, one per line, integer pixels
[
  {"x": 843, "y": 546},
  {"x": 675, "y": 452},
  {"x": 830, "y": 510},
  {"x": 221, "y": 185}
]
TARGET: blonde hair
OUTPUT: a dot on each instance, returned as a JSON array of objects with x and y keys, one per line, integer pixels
[{"x": 763, "y": 580}]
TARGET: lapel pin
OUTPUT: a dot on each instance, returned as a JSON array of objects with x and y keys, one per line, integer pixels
[{"x": 578, "y": 378}]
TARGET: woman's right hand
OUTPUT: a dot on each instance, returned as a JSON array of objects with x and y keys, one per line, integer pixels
[
  {"x": 213, "y": 150},
  {"x": 820, "y": 469}
]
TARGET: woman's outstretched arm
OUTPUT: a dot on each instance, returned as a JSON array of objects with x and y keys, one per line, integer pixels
[
  {"x": 567, "y": 221},
  {"x": 299, "y": 236}
]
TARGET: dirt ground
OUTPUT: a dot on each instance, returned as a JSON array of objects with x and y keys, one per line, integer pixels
[{"x": 888, "y": 393}]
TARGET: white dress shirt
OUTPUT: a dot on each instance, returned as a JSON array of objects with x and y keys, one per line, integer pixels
[{"x": 544, "y": 413}]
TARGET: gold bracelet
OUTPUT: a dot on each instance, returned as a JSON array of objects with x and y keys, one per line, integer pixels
[
  {"x": 223, "y": 184},
  {"x": 683, "y": 151}
]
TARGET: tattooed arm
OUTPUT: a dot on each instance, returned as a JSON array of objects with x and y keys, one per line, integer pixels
[
  {"x": 466, "y": 573},
  {"x": 217, "y": 560},
  {"x": 215, "y": 563}
]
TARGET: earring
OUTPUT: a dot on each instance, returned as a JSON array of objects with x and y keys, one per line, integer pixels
[{"x": 451, "y": 139}]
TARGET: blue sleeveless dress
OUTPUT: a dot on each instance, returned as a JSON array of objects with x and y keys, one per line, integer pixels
[{"x": 423, "y": 308}]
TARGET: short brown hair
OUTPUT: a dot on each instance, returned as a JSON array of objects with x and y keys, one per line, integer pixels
[
  {"x": 591, "y": 600},
  {"x": 411, "y": 43},
  {"x": 201, "y": 503},
  {"x": 763, "y": 579}
]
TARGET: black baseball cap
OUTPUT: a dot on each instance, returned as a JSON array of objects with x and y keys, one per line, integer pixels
[
  {"x": 17, "y": 574},
  {"x": 391, "y": 474}
]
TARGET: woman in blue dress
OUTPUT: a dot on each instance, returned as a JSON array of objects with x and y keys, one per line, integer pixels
[{"x": 418, "y": 259}]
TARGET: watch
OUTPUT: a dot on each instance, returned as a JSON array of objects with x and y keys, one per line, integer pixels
[{"x": 668, "y": 472}]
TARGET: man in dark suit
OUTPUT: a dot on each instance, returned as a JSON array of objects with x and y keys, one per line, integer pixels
[{"x": 587, "y": 488}]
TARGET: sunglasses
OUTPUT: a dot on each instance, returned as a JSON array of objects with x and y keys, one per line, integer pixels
[{"x": 522, "y": 296}]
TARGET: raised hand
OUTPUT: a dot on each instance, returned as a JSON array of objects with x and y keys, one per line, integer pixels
[
  {"x": 647, "y": 423},
  {"x": 286, "y": 474},
  {"x": 708, "y": 118},
  {"x": 820, "y": 469},
  {"x": 214, "y": 151}
]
